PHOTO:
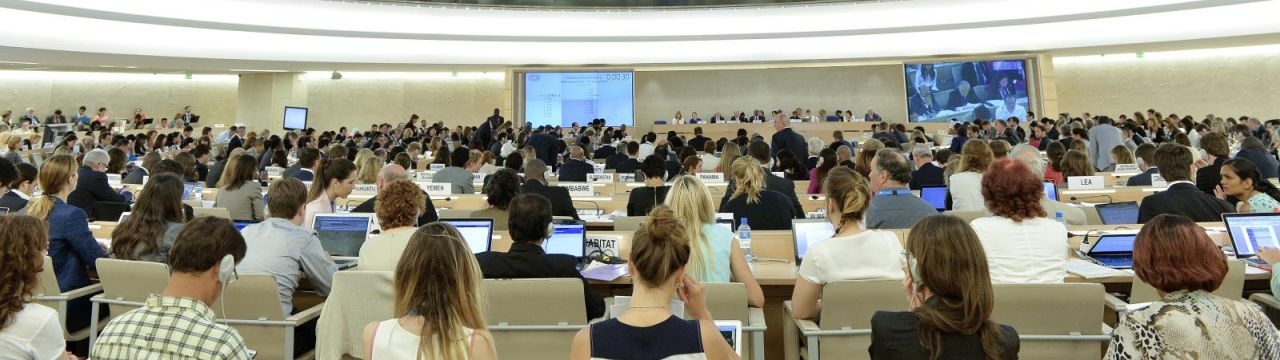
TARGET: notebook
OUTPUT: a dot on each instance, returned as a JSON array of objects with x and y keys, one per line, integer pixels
[
  {"x": 1118, "y": 213},
  {"x": 1113, "y": 250},
  {"x": 478, "y": 232},
  {"x": 342, "y": 234},
  {"x": 807, "y": 232},
  {"x": 568, "y": 237},
  {"x": 936, "y": 196},
  {"x": 1250, "y": 232}
]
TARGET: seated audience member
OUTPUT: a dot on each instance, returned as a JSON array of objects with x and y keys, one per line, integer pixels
[
  {"x": 791, "y": 167},
  {"x": 716, "y": 256},
  {"x": 815, "y": 146},
  {"x": 893, "y": 205},
  {"x": 1023, "y": 244},
  {"x": 335, "y": 180},
  {"x": 949, "y": 291},
  {"x": 92, "y": 185},
  {"x": 670, "y": 166},
  {"x": 461, "y": 174},
  {"x": 189, "y": 172},
  {"x": 826, "y": 162},
  {"x": 307, "y": 167},
  {"x": 281, "y": 247},
  {"x": 926, "y": 173},
  {"x": 759, "y": 151},
  {"x": 1181, "y": 197},
  {"x": 965, "y": 186},
  {"x": 20, "y": 189},
  {"x": 1242, "y": 180},
  {"x": 852, "y": 253},
  {"x": 436, "y": 287},
  {"x": 764, "y": 209},
  {"x": 1207, "y": 178},
  {"x": 1174, "y": 255},
  {"x": 199, "y": 263},
  {"x": 1253, "y": 150},
  {"x": 709, "y": 159},
  {"x": 241, "y": 194},
  {"x": 153, "y": 225},
  {"x": 1120, "y": 154},
  {"x": 576, "y": 168},
  {"x": 1146, "y": 154},
  {"x": 216, "y": 173},
  {"x": 399, "y": 205},
  {"x": 529, "y": 225},
  {"x": 367, "y": 172},
  {"x": 1053, "y": 171},
  {"x": 644, "y": 198},
  {"x": 1076, "y": 163},
  {"x": 391, "y": 173},
  {"x": 692, "y": 165},
  {"x": 536, "y": 183},
  {"x": 999, "y": 149},
  {"x": 27, "y": 330},
  {"x": 1030, "y": 157},
  {"x": 647, "y": 329},
  {"x": 504, "y": 185},
  {"x": 71, "y": 244},
  {"x": 624, "y": 155}
]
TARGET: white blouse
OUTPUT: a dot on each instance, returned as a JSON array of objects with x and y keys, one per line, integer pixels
[
  {"x": 966, "y": 191},
  {"x": 869, "y": 255},
  {"x": 1033, "y": 251},
  {"x": 392, "y": 341},
  {"x": 34, "y": 334}
]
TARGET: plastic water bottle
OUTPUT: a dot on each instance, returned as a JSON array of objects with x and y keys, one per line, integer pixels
[
  {"x": 744, "y": 239},
  {"x": 1058, "y": 216}
]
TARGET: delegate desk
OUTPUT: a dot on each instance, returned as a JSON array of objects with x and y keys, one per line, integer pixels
[{"x": 821, "y": 130}]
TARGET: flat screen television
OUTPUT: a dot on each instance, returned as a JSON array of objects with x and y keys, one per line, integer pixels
[
  {"x": 295, "y": 118},
  {"x": 563, "y": 98},
  {"x": 966, "y": 91}
]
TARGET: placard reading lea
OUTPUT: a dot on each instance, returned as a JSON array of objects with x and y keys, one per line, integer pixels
[{"x": 1085, "y": 183}]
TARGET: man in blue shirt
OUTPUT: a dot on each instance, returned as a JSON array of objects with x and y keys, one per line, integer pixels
[{"x": 893, "y": 205}]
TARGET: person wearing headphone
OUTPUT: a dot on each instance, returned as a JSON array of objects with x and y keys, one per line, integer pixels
[
  {"x": 179, "y": 320},
  {"x": 948, "y": 287},
  {"x": 530, "y": 225}
]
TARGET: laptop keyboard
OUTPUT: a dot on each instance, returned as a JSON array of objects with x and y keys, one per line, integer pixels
[{"x": 1116, "y": 261}]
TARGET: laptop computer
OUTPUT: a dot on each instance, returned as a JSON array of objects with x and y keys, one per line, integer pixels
[
  {"x": 936, "y": 196},
  {"x": 187, "y": 189},
  {"x": 342, "y": 234},
  {"x": 1051, "y": 190},
  {"x": 1113, "y": 250},
  {"x": 1251, "y": 232},
  {"x": 123, "y": 216},
  {"x": 1118, "y": 213},
  {"x": 568, "y": 237},
  {"x": 808, "y": 232},
  {"x": 732, "y": 332},
  {"x": 478, "y": 232}
]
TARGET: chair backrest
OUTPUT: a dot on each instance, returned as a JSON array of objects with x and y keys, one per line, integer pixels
[
  {"x": 1053, "y": 309},
  {"x": 211, "y": 212},
  {"x": 107, "y": 210},
  {"x": 628, "y": 223},
  {"x": 1232, "y": 285},
  {"x": 357, "y": 298},
  {"x": 251, "y": 297},
  {"x": 533, "y": 302},
  {"x": 726, "y": 301},
  {"x": 131, "y": 281},
  {"x": 47, "y": 280},
  {"x": 850, "y": 304},
  {"x": 967, "y": 216}
]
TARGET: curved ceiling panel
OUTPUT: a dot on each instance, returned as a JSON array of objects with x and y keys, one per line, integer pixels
[{"x": 338, "y": 32}]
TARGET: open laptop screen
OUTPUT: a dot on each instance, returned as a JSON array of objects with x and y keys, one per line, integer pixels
[
  {"x": 187, "y": 188},
  {"x": 935, "y": 195},
  {"x": 1113, "y": 244},
  {"x": 1050, "y": 190},
  {"x": 568, "y": 237},
  {"x": 808, "y": 232},
  {"x": 1250, "y": 232},
  {"x": 477, "y": 232},
  {"x": 342, "y": 234},
  {"x": 1118, "y": 213}
]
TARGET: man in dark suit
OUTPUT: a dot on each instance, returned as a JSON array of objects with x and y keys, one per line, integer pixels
[
  {"x": 387, "y": 175},
  {"x": 484, "y": 133},
  {"x": 1182, "y": 197},
  {"x": 963, "y": 96},
  {"x": 672, "y": 167},
  {"x": 618, "y": 157},
  {"x": 544, "y": 146},
  {"x": 785, "y": 138},
  {"x": 882, "y": 133},
  {"x": 529, "y": 223},
  {"x": 56, "y": 118},
  {"x": 760, "y": 151},
  {"x": 698, "y": 141},
  {"x": 576, "y": 168},
  {"x": 1146, "y": 161},
  {"x": 975, "y": 73},
  {"x": 305, "y": 169},
  {"x": 92, "y": 186},
  {"x": 536, "y": 183},
  {"x": 630, "y": 164},
  {"x": 605, "y": 151},
  {"x": 236, "y": 141},
  {"x": 926, "y": 174}
]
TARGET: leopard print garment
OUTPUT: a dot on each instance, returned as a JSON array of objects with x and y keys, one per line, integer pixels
[{"x": 1195, "y": 325}]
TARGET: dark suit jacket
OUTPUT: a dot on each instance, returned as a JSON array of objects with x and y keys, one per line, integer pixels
[
  {"x": 528, "y": 261},
  {"x": 958, "y": 100},
  {"x": 135, "y": 176},
  {"x": 628, "y": 166},
  {"x": 772, "y": 182},
  {"x": 575, "y": 170},
  {"x": 604, "y": 152},
  {"x": 612, "y": 161},
  {"x": 894, "y": 336},
  {"x": 644, "y": 198},
  {"x": 1143, "y": 179},
  {"x": 12, "y": 201},
  {"x": 1186, "y": 200},
  {"x": 790, "y": 140},
  {"x": 290, "y": 171},
  {"x": 235, "y": 142},
  {"x": 428, "y": 214},
  {"x": 92, "y": 188},
  {"x": 927, "y": 174},
  {"x": 304, "y": 175},
  {"x": 484, "y": 133},
  {"x": 770, "y": 213},
  {"x": 544, "y": 147},
  {"x": 697, "y": 142},
  {"x": 561, "y": 203},
  {"x": 1208, "y": 177}
]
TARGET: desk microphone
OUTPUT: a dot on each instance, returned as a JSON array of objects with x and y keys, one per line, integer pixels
[
  {"x": 599, "y": 211},
  {"x": 1076, "y": 199}
]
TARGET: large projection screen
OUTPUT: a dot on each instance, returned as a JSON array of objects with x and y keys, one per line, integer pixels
[
  {"x": 968, "y": 90},
  {"x": 561, "y": 98}
]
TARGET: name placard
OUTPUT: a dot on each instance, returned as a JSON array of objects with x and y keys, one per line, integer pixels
[
  {"x": 712, "y": 177},
  {"x": 599, "y": 178},
  {"x": 1126, "y": 168},
  {"x": 779, "y": 174},
  {"x": 436, "y": 167},
  {"x": 478, "y": 177},
  {"x": 275, "y": 171},
  {"x": 1158, "y": 181},
  {"x": 435, "y": 189},
  {"x": 578, "y": 189},
  {"x": 114, "y": 179},
  {"x": 425, "y": 175},
  {"x": 597, "y": 168},
  {"x": 627, "y": 178},
  {"x": 365, "y": 190},
  {"x": 1085, "y": 183}
]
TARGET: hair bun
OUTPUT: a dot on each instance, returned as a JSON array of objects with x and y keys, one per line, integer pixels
[{"x": 662, "y": 224}]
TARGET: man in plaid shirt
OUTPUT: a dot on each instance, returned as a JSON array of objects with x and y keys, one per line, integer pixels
[{"x": 178, "y": 323}]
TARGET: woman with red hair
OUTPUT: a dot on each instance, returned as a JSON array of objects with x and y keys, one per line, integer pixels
[
  {"x": 1023, "y": 243},
  {"x": 1174, "y": 255}
]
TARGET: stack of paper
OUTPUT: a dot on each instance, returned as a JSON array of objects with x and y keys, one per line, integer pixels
[
  {"x": 604, "y": 272},
  {"x": 1089, "y": 270}
]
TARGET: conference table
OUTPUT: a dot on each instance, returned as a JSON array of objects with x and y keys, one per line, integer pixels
[{"x": 821, "y": 130}]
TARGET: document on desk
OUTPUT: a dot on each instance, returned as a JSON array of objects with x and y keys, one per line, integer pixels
[
  {"x": 604, "y": 272},
  {"x": 1254, "y": 270},
  {"x": 1089, "y": 270}
]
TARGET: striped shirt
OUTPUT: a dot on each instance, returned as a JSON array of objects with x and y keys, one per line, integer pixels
[{"x": 169, "y": 328}]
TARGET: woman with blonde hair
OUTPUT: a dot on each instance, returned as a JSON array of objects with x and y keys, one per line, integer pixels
[
  {"x": 728, "y": 154},
  {"x": 1120, "y": 155},
  {"x": 71, "y": 243},
  {"x": 1076, "y": 163},
  {"x": 715, "y": 254},
  {"x": 369, "y": 168},
  {"x": 14, "y": 145},
  {"x": 362, "y": 155},
  {"x": 437, "y": 303},
  {"x": 751, "y": 203},
  {"x": 966, "y": 184}
]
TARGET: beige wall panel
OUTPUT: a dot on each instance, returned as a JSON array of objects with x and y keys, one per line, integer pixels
[
  {"x": 361, "y": 102},
  {"x": 1222, "y": 85},
  {"x": 213, "y": 98}
]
